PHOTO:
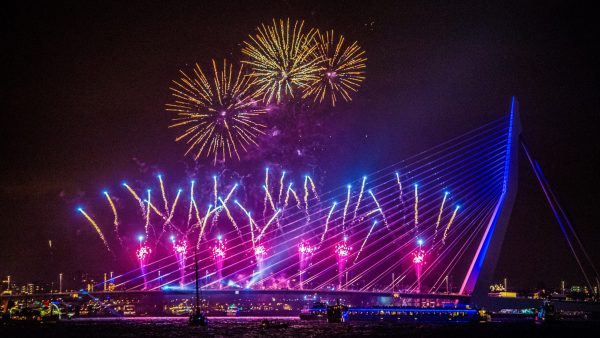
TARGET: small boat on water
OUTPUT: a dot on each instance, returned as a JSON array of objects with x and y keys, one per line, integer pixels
[
  {"x": 232, "y": 311},
  {"x": 457, "y": 313},
  {"x": 317, "y": 311},
  {"x": 269, "y": 324}
]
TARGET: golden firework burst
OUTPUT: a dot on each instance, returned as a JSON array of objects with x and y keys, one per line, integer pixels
[
  {"x": 283, "y": 59},
  {"x": 219, "y": 117},
  {"x": 342, "y": 69}
]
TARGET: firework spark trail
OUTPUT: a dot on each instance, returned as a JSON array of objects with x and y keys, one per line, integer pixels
[
  {"x": 306, "y": 199},
  {"x": 164, "y": 195},
  {"x": 362, "y": 189},
  {"x": 327, "y": 221},
  {"x": 399, "y": 188},
  {"x": 201, "y": 232},
  {"x": 365, "y": 241},
  {"x": 231, "y": 219},
  {"x": 165, "y": 218},
  {"x": 156, "y": 211},
  {"x": 282, "y": 59},
  {"x": 189, "y": 219},
  {"x": 280, "y": 187},
  {"x": 380, "y": 210},
  {"x": 218, "y": 251},
  {"x": 218, "y": 117},
  {"x": 416, "y": 209},
  {"x": 269, "y": 198},
  {"x": 218, "y": 213},
  {"x": 147, "y": 214},
  {"x": 136, "y": 197},
  {"x": 346, "y": 209},
  {"x": 98, "y": 230},
  {"x": 116, "y": 219},
  {"x": 266, "y": 187},
  {"x": 401, "y": 198},
  {"x": 298, "y": 203},
  {"x": 439, "y": 218},
  {"x": 287, "y": 196},
  {"x": 180, "y": 249},
  {"x": 171, "y": 213},
  {"x": 449, "y": 224},
  {"x": 342, "y": 69},
  {"x": 250, "y": 220},
  {"x": 343, "y": 252},
  {"x": 215, "y": 193},
  {"x": 215, "y": 190},
  {"x": 230, "y": 193},
  {"x": 272, "y": 204},
  {"x": 142, "y": 254},
  {"x": 314, "y": 189},
  {"x": 198, "y": 218},
  {"x": 267, "y": 225}
]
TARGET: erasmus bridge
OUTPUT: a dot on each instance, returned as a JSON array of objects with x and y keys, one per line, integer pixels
[{"x": 401, "y": 232}]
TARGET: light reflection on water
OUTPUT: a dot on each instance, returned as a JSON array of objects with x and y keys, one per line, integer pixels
[{"x": 174, "y": 327}]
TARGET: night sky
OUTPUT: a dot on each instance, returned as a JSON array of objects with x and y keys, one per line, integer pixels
[{"x": 84, "y": 89}]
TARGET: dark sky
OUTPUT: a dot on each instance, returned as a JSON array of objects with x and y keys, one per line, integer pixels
[{"x": 84, "y": 89}]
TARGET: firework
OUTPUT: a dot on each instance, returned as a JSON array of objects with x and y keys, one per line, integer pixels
[
  {"x": 116, "y": 218},
  {"x": 142, "y": 254},
  {"x": 219, "y": 117},
  {"x": 342, "y": 69},
  {"x": 180, "y": 250},
  {"x": 327, "y": 221},
  {"x": 437, "y": 223},
  {"x": 267, "y": 225},
  {"x": 305, "y": 251},
  {"x": 218, "y": 251},
  {"x": 164, "y": 195},
  {"x": 365, "y": 241},
  {"x": 266, "y": 188},
  {"x": 191, "y": 207},
  {"x": 259, "y": 253},
  {"x": 283, "y": 59},
  {"x": 281, "y": 187},
  {"x": 306, "y": 199},
  {"x": 203, "y": 226},
  {"x": 380, "y": 210},
  {"x": 418, "y": 261},
  {"x": 147, "y": 214},
  {"x": 313, "y": 188},
  {"x": 186, "y": 222},
  {"x": 135, "y": 195},
  {"x": 416, "y": 208},
  {"x": 96, "y": 227},
  {"x": 346, "y": 208},
  {"x": 343, "y": 252},
  {"x": 449, "y": 224},
  {"x": 362, "y": 189},
  {"x": 231, "y": 219}
]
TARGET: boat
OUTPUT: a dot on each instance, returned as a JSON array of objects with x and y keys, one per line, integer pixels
[
  {"x": 459, "y": 313},
  {"x": 318, "y": 311},
  {"x": 232, "y": 311},
  {"x": 337, "y": 313},
  {"x": 269, "y": 324},
  {"x": 547, "y": 312},
  {"x": 129, "y": 310},
  {"x": 197, "y": 317}
]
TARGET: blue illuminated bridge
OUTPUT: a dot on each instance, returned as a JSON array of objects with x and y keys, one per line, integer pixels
[{"x": 427, "y": 230}]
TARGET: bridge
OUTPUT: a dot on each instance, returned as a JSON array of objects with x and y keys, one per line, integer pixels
[{"x": 396, "y": 234}]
